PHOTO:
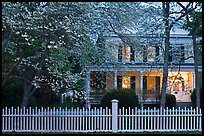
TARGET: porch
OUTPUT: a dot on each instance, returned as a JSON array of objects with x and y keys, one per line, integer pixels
[{"x": 141, "y": 78}]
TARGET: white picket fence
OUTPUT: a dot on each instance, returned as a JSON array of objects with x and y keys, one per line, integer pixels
[{"x": 103, "y": 120}]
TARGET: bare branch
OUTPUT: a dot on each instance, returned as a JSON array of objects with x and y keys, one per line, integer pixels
[{"x": 187, "y": 11}]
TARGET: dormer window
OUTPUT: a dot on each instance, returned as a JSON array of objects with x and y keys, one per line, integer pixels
[{"x": 126, "y": 54}]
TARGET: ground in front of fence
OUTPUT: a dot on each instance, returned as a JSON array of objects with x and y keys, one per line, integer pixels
[{"x": 177, "y": 132}]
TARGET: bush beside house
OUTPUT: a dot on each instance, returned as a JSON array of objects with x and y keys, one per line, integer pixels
[
  {"x": 170, "y": 100},
  {"x": 193, "y": 97},
  {"x": 126, "y": 97}
]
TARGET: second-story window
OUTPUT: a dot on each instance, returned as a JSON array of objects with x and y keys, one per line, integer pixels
[
  {"x": 151, "y": 54},
  {"x": 126, "y": 54},
  {"x": 176, "y": 53}
]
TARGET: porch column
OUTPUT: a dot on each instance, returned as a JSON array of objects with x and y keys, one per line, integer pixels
[
  {"x": 141, "y": 81},
  {"x": 141, "y": 88},
  {"x": 87, "y": 88},
  {"x": 193, "y": 80},
  {"x": 115, "y": 79},
  {"x": 167, "y": 91}
]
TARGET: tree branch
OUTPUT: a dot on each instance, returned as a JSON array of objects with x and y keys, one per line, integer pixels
[
  {"x": 184, "y": 14},
  {"x": 12, "y": 69}
]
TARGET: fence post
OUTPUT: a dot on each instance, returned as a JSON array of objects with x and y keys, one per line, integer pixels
[{"x": 114, "y": 115}]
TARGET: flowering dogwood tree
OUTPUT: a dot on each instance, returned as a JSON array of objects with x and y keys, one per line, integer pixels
[{"x": 43, "y": 41}]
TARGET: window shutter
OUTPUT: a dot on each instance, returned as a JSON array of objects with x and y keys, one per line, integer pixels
[
  {"x": 144, "y": 82},
  {"x": 170, "y": 54},
  {"x": 132, "y": 54},
  {"x": 157, "y": 53},
  {"x": 119, "y": 82},
  {"x": 144, "y": 54},
  {"x": 182, "y": 54},
  {"x": 120, "y": 54},
  {"x": 132, "y": 82}
]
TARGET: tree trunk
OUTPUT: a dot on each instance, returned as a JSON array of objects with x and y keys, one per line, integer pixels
[
  {"x": 195, "y": 50},
  {"x": 166, "y": 53},
  {"x": 26, "y": 93},
  {"x": 29, "y": 89}
]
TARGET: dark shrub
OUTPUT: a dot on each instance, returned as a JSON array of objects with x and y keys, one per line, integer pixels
[
  {"x": 126, "y": 97},
  {"x": 193, "y": 97},
  {"x": 170, "y": 100}
]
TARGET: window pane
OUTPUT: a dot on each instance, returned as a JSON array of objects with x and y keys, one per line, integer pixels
[
  {"x": 144, "y": 54},
  {"x": 120, "y": 54},
  {"x": 126, "y": 54},
  {"x": 151, "y": 54},
  {"x": 132, "y": 54},
  {"x": 126, "y": 82}
]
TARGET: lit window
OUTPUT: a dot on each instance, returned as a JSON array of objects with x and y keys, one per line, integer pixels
[
  {"x": 126, "y": 82},
  {"x": 126, "y": 54},
  {"x": 151, "y": 54}
]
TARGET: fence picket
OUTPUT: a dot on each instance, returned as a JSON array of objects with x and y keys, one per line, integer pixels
[
  {"x": 103, "y": 113},
  {"x": 15, "y": 119},
  {"x": 3, "y": 116},
  {"x": 77, "y": 118},
  {"x": 12, "y": 120},
  {"x": 197, "y": 118},
  {"x": 154, "y": 118},
  {"x": 74, "y": 119},
  {"x": 26, "y": 119},
  {"x": 109, "y": 113},
  {"x": 192, "y": 115},
  {"x": 188, "y": 120},
  {"x": 132, "y": 122},
  {"x": 148, "y": 121},
  {"x": 145, "y": 119},
  {"x": 151, "y": 114},
  {"x": 35, "y": 117},
  {"x": 48, "y": 118},
  {"x": 100, "y": 118},
  {"x": 170, "y": 113},
  {"x": 92, "y": 118},
  {"x": 89, "y": 118},
  {"x": 51, "y": 118},
  {"x": 176, "y": 120},
  {"x": 9, "y": 122},
  {"x": 136, "y": 125},
  {"x": 139, "y": 118},
  {"x": 181, "y": 119},
  {"x": 142, "y": 118},
  {"x": 194, "y": 119},
  {"x": 200, "y": 120},
  {"x": 185, "y": 118},
  {"x": 86, "y": 120},
  {"x": 80, "y": 119}
]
